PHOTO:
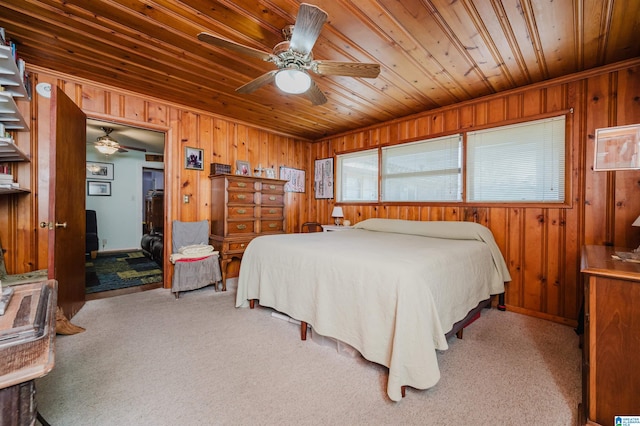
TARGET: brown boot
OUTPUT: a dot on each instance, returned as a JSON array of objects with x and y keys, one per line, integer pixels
[{"x": 63, "y": 326}]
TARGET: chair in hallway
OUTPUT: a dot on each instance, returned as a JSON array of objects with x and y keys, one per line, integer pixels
[{"x": 195, "y": 263}]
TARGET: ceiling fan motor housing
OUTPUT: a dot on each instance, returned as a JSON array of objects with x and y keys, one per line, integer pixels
[{"x": 287, "y": 58}]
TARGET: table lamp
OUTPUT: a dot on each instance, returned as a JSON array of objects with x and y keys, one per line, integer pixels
[{"x": 337, "y": 213}]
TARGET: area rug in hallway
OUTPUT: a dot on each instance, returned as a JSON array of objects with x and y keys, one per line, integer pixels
[{"x": 112, "y": 271}]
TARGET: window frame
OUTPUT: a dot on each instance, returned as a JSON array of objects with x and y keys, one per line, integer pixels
[{"x": 568, "y": 160}]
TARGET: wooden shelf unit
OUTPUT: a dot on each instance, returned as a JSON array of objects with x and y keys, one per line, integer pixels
[{"x": 10, "y": 153}]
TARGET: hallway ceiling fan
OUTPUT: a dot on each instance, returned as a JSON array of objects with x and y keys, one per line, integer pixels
[
  {"x": 108, "y": 145},
  {"x": 294, "y": 59}
]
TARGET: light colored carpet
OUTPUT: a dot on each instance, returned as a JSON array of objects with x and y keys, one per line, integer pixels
[{"x": 148, "y": 359}]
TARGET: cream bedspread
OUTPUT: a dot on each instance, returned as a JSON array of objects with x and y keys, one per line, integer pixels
[{"x": 391, "y": 295}]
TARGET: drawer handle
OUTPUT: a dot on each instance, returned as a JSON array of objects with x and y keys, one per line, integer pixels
[
  {"x": 241, "y": 197},
  {"x": 272, "y": 198},
  {"x": 241, "y": 227},
  {"x": 272, "y": 225},
  {"x": 242, "y": 185},
  {"x": 272, "y": 187},
  {"x": 242, "y": 245},
  {"x": 272, "y": 211},
  {"x": 242, "y": 211}
]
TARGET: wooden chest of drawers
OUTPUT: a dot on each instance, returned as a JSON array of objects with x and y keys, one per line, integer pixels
[
  {"x": 243, "y": 207},
  {"x": 611, "y": 350}
]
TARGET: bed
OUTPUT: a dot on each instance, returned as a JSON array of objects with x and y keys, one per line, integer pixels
[{"x": 392, "y": 289}]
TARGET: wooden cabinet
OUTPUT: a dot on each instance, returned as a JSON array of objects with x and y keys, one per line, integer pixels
[
  {"x": 611, "y": 350},
  {"x": 242, "y": 208},
  {"x": 154, "y": 211}
]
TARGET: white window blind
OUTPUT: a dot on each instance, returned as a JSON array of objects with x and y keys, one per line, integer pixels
[
  {"x": 357, "y": 175},
  {"x": 429, "y": 170},
  {"x": 520, "y": 162}
]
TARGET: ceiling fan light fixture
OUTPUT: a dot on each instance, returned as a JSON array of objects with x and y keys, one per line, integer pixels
[
  {"x": 106, "y": 149},
  {"x": 293, "y": 81}
]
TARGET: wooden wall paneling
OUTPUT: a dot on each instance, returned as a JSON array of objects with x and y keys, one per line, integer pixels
[
  {"x": 531, "y": 103},
  {"x": 515, "y": 105},
  {"x": 134, "y": 108},
  {"x": 597, "y": 116},
  {"x": 94, "y": 100},
  {"x": 534, "y": 278},
  {"x": 467, "y": 117},
  {"x": 497, "y": 110},
  {"x": 627, "y": 196},
  {"x": 156, "y": 113},
  {"x": 189, "y": 179},
  {"x": 451, "y": 120},
  {"x": 422, "y": 126},
  {"x": 205, "y": 137},
  {"x": 437, "y": 123},
  {"x": 514, "y": 257},
  {"x": 555, "y": 263},
  {"x": 219, "y": 144}
]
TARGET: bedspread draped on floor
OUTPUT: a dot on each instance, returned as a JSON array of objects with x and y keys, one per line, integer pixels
[{"x": 390, "y": 295}]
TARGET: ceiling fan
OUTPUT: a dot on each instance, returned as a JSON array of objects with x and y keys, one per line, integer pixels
[
  {"x": 294, "y": 59},
  {"x": 108, "y": 145}
]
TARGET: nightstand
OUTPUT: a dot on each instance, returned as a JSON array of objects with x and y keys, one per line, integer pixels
[{"x": 331, "y": 228}]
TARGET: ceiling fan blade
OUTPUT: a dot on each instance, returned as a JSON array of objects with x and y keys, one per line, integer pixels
[
  {"x": 132, "y": 148},
  {"x": 348, "y": 69},
  {"x": 257, "y": 83},
  {"x": 315, "y": 95},
  {"x": 235, "y": 47},
  {"x": 307, "y": 28}
]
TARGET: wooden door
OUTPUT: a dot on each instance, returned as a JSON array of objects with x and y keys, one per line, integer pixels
[{"x": 67, "y": 164}]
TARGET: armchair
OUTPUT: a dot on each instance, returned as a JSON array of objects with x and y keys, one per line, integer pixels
[{"x": 195, "y": 264}]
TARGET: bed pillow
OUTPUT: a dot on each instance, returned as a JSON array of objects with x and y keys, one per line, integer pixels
[
  {"x": 437, "y": 229},
  {"x": 452, "y": 230}
]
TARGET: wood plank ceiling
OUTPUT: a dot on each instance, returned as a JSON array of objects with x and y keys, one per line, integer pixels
[{"x": 432, "y": 52}]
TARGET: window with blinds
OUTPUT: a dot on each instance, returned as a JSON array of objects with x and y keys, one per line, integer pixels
[
  {"x": 357, "y": 176},
  {"x": 517, "y": 163},
  {"x": 428, "y": 170}
]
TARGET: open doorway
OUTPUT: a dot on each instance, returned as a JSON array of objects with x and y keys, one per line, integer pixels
[{"x": 117, "y": 190}]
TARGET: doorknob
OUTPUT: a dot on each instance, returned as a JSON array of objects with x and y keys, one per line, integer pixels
[
  {"x": 46, "y": 225},
  {"x": 61, "y": 225}
]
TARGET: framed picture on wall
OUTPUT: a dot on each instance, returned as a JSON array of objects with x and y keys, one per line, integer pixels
[
  {"x": 617, "y": 148},
  {"x": 294, "y": 177},
  {"x": 97, "y": 170},
  {"x": 323, "y": 178},
  {"x": 243, "y": 168},
  {"x": 193, "y": 158},
  {"x": 96, "y": 188}
]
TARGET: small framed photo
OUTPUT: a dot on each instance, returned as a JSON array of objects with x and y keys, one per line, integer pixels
[
  {"x": 617, "y": 148},
  {"x": 97, "y": 170},
  {"x": 98, "y": 188},
  {"x": 193, "y": 158},
  {"x": 243, "y": 168},
  {"x": 270, "y": 173}
]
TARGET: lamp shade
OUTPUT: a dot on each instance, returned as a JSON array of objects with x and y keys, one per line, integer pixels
[
  {"x": 337, "y": 212},
  {"x": 636, "y": 222},
  {"x": 293, "y": 81}
]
